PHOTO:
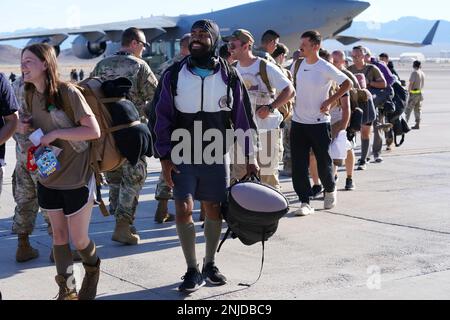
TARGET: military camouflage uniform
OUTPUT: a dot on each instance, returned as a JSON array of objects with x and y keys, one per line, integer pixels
[
  {"x": 24, "y": 182},
  {"x": 126, "y": 183},
  {"x": 136, "y": 70}
]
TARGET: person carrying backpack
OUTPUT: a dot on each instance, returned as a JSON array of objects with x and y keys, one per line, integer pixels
[
  {"x": 24, "y": 187},
  {"x": 67, "y": 191},
  {"x": 269, "y": 90},
  {"x": 374, "y": 80},
  {"x": 202, "y": 91},
  {"x": 127, "y": 182}
]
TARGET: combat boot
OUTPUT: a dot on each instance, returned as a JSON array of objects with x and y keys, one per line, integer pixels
[
  {"x": 88, "y": 289},
  {"x": 162, "y": 214},
  {"x": 122, "y": 234},
  {"x": 64, "y": 292},
  {"x": 25, "y": 252}
]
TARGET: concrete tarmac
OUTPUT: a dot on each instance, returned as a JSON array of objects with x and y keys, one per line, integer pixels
[{"x": 388, "y": 239}]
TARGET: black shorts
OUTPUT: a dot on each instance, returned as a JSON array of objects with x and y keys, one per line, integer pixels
[{"x": 71, "y": 202}]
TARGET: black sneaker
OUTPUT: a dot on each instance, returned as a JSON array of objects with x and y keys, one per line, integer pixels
[
  {"x": 316, "y": 191},
  {"x": 192, "y": 281},
  {"x": 212, "y": 274},
  {"x": 349, "y": 186}
]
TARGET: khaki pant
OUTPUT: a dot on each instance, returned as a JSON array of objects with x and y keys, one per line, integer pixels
[
  {"x": 414, "y": 104},
  {"x": 268, "y": 159}
]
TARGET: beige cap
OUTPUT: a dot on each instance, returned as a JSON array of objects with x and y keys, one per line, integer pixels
[{"x": 243, "y": 35}]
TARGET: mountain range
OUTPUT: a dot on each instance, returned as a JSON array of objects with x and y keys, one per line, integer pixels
[{"x": 411, "y": 29}]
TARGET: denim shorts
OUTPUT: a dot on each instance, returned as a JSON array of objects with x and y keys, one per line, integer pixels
[{"x": 201, "y": 182}]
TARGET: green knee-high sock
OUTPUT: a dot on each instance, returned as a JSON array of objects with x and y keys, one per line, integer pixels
[
  {"x": 213, "y": 230},
  {"x": 89, "y": 255},
  {"x": 186, "y": 234},
  {"x": 63, "y": 260}
]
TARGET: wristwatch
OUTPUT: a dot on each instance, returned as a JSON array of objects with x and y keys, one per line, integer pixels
[{"x": 271, "y": 108}]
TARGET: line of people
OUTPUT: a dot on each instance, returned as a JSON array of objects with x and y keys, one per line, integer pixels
[{"x": 296, "y": 114}]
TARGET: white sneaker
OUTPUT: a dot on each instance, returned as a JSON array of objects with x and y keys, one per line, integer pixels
[
  {"x": 305, "y": 210},
  {"x": 330, "y": 200}
]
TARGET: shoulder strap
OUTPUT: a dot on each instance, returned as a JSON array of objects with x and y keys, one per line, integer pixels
[
  {"x": 174, "y": 72},
  {"x": 225, "y": 237},
  {"x": 264, "y": 75},
  {"x": 28, "y": 100},
  {"x": 262, "y": 262},
  {"x": 297, "y": 65},
  {"x": 398, "y": 144},
  {"x": 63, "y": 92}
]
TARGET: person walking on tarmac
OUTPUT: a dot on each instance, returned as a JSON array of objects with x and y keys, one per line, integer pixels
[
  {"x": 67, "y": 193},
  {"x": 416, "y": 84},
  {"x": 200, "y": 99},
  {"x": 127, "y": 182},
  {"x": 24, "y": 187}
]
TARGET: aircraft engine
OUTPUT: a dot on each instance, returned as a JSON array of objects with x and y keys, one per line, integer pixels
[
  {"x": 45, "y": 40},
  {"x": 85, "y": 49}
]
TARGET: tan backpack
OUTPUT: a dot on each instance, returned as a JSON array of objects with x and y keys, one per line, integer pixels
[
  {"x": 104, "y": 154},
  {"x": 286, "y": 109}
]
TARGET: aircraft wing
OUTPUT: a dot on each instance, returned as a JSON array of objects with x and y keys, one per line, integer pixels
[
  {"x": 110, "y": 31},
  {"x": 348, "y": 40}
]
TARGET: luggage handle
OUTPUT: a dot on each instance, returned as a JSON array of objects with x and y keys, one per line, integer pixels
[{"x": 253, "y": 177}]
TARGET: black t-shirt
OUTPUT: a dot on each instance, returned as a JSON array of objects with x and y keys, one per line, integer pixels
[{"x": 8, "y": 105}]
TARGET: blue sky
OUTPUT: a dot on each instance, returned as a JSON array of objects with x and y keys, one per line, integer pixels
[{"x": 15, "y": 15}]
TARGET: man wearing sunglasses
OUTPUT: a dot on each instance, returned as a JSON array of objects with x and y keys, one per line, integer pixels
[{"x": 126, "y": 183}]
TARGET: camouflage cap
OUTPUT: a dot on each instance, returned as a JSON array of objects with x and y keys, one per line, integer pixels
[{"x": 243, "y": 35}]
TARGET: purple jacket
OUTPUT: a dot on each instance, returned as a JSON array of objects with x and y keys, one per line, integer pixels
[{"x": 385, "y": 70}]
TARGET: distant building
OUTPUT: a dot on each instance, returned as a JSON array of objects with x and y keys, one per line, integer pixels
[
  {"x": 445, "y": 54},
  {"x": 408, "y": 57}
]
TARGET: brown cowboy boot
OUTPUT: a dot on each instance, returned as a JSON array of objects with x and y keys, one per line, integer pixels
[
  {"x": 25, "y": 252},
  {"x": 123, "y": 234},
  {"x": 64, "y": 292},
  {"x": 88, "y": 289},
  {"x": 162, "y": 214}
]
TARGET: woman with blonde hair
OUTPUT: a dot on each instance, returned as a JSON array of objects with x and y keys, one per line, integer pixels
[{"x": 68, "y": 193}]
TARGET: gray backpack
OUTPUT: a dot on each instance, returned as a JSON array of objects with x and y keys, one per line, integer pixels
[{"x": 252, "y": 212}]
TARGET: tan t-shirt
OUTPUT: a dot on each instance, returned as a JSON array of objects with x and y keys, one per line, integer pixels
[
  {"x": 75, "y": 171},
  {"x": 417, "y": 80},
  {"x": 371, "y": 72}
]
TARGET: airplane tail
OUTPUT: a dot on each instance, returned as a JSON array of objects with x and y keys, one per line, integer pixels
[{"x": 430, "y": 37}]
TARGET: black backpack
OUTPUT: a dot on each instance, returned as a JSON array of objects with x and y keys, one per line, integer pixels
[
  {"x": 174, "y": 70},
  {"x": 396, "y": 117},
  {"x": 252, "y": 212}
]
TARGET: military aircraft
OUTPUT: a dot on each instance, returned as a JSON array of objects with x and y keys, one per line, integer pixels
[{"x": 290, "y": 18}]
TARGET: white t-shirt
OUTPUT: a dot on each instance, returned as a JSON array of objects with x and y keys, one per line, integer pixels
[
  {"x": 313, "y": 88},
  {"x": 260, "y": 95}
]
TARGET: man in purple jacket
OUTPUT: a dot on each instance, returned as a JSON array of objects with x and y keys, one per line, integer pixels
[{"x": 201, "y": 100}]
